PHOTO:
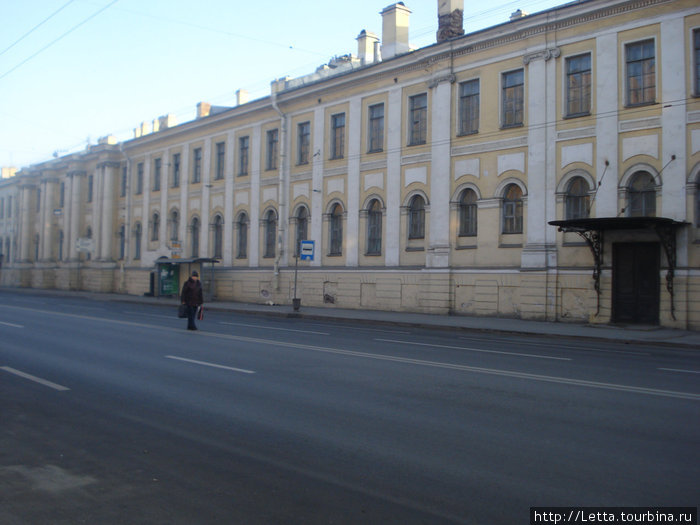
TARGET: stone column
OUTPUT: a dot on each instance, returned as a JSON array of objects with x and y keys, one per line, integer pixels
[
  {"x": 438, "y": 254},
  {"x": 393, "y": 177},
  {"x": 75, "y": 209},
  {"x": 354, "y": 134},
  {"x": 204, "y": 211},
  {"x": 109, "y": 173},
  {"x": 26, "y": 236},
  {"x": 47, "y": 240}
]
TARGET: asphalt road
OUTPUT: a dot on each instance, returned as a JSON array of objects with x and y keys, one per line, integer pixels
[{"x": 113, "y": 413}]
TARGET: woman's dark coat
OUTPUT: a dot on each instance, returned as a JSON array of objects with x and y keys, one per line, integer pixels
[{"x": 192, "y": 293}]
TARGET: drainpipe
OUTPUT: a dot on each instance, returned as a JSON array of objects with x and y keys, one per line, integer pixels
[
  {"x": 127, "y": 220},
  {"x": 282, "y": 193}
]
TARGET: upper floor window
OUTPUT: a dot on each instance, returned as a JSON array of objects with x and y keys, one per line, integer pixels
[
  {"x": 194, "y": 229},
  {"x": 155, "y": 226},
  {"x": 641, "y": 195},
  {"x": 640, "y": 64},
  {"x": 176, "y": 170},
  {"x": 338, "y": 136},
  {"x": 336, "y": 230},
  {"x": 139, "y": 179},
  {"x": 89, "y": 188},
  {"x": 376, "y": 128},
  {"x": 138, "y": 232},
  {"x": 512, "y": 209},
  {"x": 61, "y": 201},
  {"x": 174, "y": 226},
  {"x": 220, "y": 160},
  {"x": 418, "y": 119},
  {"x": 513, "y": 98},
  {"x": 578, "y": 85},
  {"x": 469, "y": 107},
  {"x": 467, "y": 213},
  {"x": 272, "y": 149},
  {"x": 197, "y": 166},
  {"x": 303, "y": 142},
  {"x": 122, "y": 183},
  {"x": 243, "y": 150},
  {"x": 416, "y": 218},
  {"x": 577, "y": 201},
  {"x": 157, "y": 168}
]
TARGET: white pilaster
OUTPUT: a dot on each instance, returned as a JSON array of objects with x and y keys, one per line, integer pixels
[
  {"x": 354, "y": 133},
  {"x": 393, "y": 177},
  {"x": 606, "y": 89},
  {"x": 254, "y": 226},
  {"x": 317, "y": 197}
]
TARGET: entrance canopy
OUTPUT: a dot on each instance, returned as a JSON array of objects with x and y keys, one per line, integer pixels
[{"x": 592, "y": 231}]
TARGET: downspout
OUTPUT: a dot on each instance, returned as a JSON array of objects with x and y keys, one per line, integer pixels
[
  {"x": 282, "y": 194},
  {"x": 127, "y": 221}
]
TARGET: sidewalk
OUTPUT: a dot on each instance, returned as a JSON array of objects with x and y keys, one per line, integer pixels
[{"x": 628, "y": 334}]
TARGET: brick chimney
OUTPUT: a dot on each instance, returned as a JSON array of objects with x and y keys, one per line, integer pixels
[
  {"x": 395, "y": 30},
  {"x": 450, "y": 19},
  {"x": 366, "y": 44}
]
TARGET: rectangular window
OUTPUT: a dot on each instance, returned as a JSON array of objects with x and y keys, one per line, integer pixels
[
  {"x": 243, "y": 147},
  {"x": 122, "y": 185},
  {"x": 376, "y": 128},
  {"x": 640, "y": 63},
  {"x": 338, "y": 136},
  {"x": 578, "y": 85},
  {"x": 272, "y": 151},
  {"x": 197, "y": 166},
  {"x": 176, "y": 170},
  {"x": 61, "y": 202},
  {"x": 469, "y": 107},
  {"x": 513, "y": 98},
  {"x": 303, "y": 142},
  {"x": 157, "y": 169},
  {"x": 89, "y": 188},
  {"x": 418, "y": 119},
  {"x": 139, "y": 179},
  {"x": 220, "y": 160}
]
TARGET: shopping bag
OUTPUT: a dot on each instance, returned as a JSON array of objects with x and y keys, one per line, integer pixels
[
  {"x": 182, "y": 311},
  {"x": 200, "y": 313}
]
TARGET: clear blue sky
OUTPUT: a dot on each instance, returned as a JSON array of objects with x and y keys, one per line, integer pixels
[{"x": 72, "y": 71}]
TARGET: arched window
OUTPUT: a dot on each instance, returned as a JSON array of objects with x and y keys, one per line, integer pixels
[
  {"x": 218, "y": 236},
  {"x": 512, "y": 209},
  {"x": 374, "y": 228},
  {"x": 195, "y": 237},
  {"x": 122, "y": 242},
  {"x": 242, "y": 236},
  {"x": 155, "y": 226},
  {"x": 174, "y": 225},
  {"x": 270, "y": 233},
  {"x": 641, "y": 195},
  {"x": 467, "y": 213},
  {"x": 336, "y": 230},
  {"x": 302, "y": 228},
  {"x": 137, "y": 240},
  {"x": 416, "y": 218},
  {"x": 577, "y": 202}
]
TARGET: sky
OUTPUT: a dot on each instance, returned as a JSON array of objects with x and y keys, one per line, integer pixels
[{"x": 72, "y": 71}]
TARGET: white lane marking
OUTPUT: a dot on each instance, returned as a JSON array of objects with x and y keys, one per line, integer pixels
[
  {"x": 558, "y": 346},
  {"x": 36, "y": 379},
  {"x": 213, "y": 365},
  {"x": 160, "y": 316},
  {"x": 12, "y": 325},
  {"x": 680, "y": 370},
  {"x": 274, "y": 328},
  {"x": 473, "y": 349}
]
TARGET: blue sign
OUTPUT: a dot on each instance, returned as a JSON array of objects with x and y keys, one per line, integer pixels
[{"x": 307, "y": 250}]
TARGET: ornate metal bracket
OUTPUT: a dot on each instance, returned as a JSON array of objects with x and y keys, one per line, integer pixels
[
  {"x": 594, "y": 240},
  {"x": 667, "y": 234}
]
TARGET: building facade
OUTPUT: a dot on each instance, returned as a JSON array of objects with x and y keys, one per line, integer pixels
[{"x": 544, "y": 168}]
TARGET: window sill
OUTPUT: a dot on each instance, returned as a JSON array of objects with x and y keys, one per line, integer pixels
[
  {"x": 468, "y": 133},
  {"x": 415, "y": 249},
  {"x": 577, "y": 115},
  {"x": 466, "y": 247},
  {"x": 512, "y": 126},
  {"x": 502, "y": 245},
  {"x": 335, "y": 255}
]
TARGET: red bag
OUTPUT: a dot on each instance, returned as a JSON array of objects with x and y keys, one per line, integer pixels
[{"x": 200, "y": 313}]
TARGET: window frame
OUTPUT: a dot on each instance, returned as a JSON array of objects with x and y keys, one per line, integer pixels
[
  {"x": 242, "y": 236},
  {"x": 418, "y": 119},
  {"x": 375, "y": 122},
  {"x": 517, "y": 101},
  {"x": 335, "y": 230},
  {"x": 157, "y": 170},
  {"x": 197, "y": 166},
  {"x": 270, "y": 234},
  {"x": 272, "y": 149},
  {"x": 468, "y": 214},
  {"x": 577, "y": 205},
  {"x": 416, "y": 218},
  {"x": 469, "y": 108},
  {"x": 641, "y": 201},
  {"x": 583, "y": 98},
  {"x": 176, "y": 170},
  {"x": 303, "y": 142},
  {"x": 243, "y": 155},
  {"x": 337, "y": 136},
  {"x": 375, "y": 225},
  {"x": 220, "y": 160},
  {"x": 628, "y": 77},
  {"x": 512, "y": 211}
]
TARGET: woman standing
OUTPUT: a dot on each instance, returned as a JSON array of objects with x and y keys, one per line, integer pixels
[{"x": 192, "y": 298}]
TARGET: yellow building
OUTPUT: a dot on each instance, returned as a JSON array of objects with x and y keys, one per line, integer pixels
[{"x": 544, "y": 168}]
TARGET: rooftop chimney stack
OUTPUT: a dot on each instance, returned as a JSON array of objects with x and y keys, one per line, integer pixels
[
  {"x": 203, "y": 109},
  {"x": 395, "y": 30},
  {"x": 450, "y": 19},
  {"x": 366, "y": 43},
  {"x": 242, "y": 97}
]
